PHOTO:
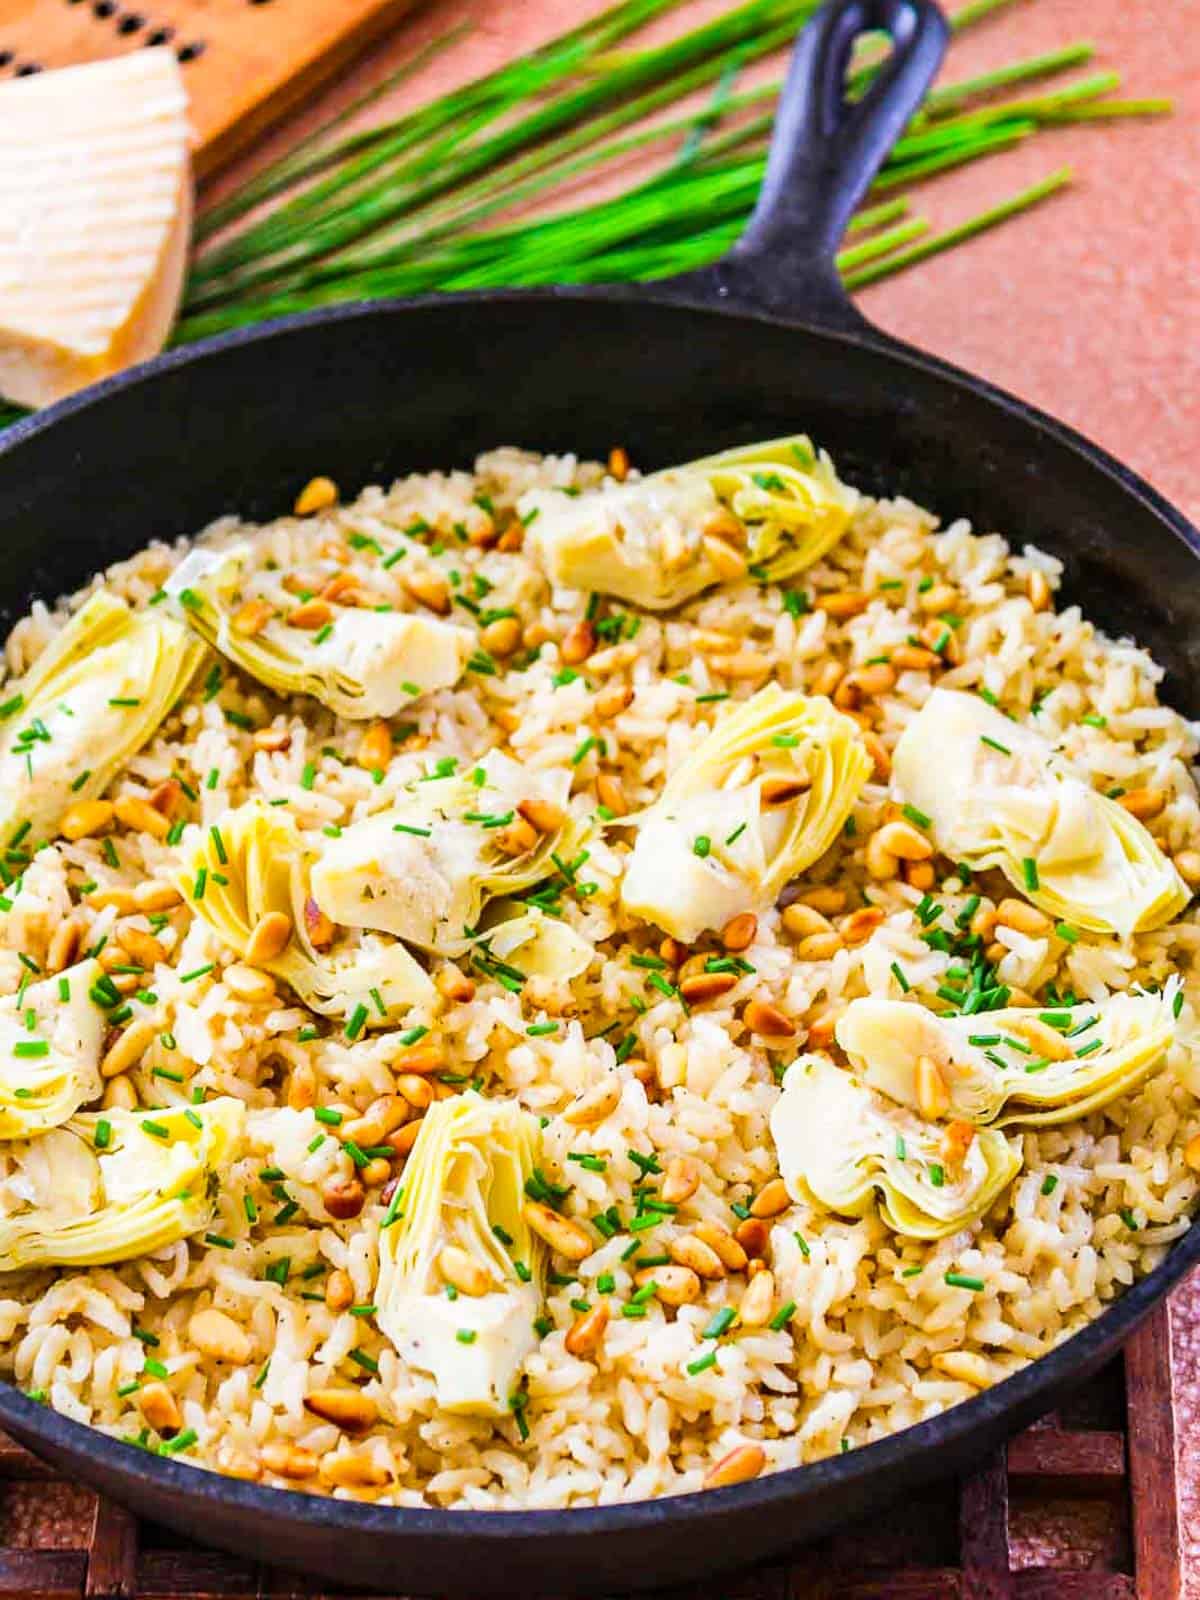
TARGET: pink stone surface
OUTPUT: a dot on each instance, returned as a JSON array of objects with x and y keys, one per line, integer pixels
[{"x": 1089, "y": 306}]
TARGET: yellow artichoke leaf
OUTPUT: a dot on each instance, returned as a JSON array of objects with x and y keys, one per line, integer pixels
[
  {"x": 89, "y": 703},
  {"x": 113, "y": 1186},
  {"x": 365, "y": 663},
  {"x": 1034, "y": 1067},
  {"x": 464, "y": 1191},
  {"x": 998, "y": 795},
  {"x": 50, "y": 1069},
  {"x": 529, "y": 940},
  {"x": 424, "y": 869},
  {"x": 754, "y": 805},
  {"x": 841, "y": 1146},
  {"x": 253, "y": 862}
]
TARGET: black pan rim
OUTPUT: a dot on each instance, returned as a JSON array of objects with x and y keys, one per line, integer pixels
[{"x": 1018, "y": 1395}]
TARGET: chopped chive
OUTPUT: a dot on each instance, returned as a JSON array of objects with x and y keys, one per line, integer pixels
[
  {"x": 917, "y": 817},
  {"x": 962, "y": 1280},
  {"x": 102, "y": 1137},
  {"x": 1049, "y": 1183},
  {"x": 701, "y": 845},
  {"x": 802, "y": 1245},
  {"x": 937, "y": 1175},
  {"x": 900, "y": 978},
  {"x": 357, "y": 1019},
  {"x": 1089, "y": 1049},
  {"x": 782, "y": 1317},
  {"x": 994, "y": 744},
  {"x": 719, "y": 1323},
  {"x": 1029, "y": 872},
  {"x": 702, "y": 1363}
]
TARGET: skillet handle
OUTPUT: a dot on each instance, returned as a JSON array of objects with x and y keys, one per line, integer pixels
[{"x": 824, "y": 154}]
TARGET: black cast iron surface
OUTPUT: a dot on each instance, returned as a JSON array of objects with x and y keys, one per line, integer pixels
[{"x": 762, "y": 345}]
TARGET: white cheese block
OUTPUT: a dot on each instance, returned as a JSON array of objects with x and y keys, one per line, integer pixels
[{"x": 95, "y": 220}]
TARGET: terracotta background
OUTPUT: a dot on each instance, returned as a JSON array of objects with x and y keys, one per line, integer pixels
[{"x": 1090, "y": 306}]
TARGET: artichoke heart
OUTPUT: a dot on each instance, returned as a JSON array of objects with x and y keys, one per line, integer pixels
[
  {"x": 658, "y": 541},
  {"x": 367, "y": 663},
  {"x": 525, "y": 939},
  {"x": 1035, "y": 1068},
  {"x": 838, "y": 1143},
  {"x": 460, "y": 1222},
  {"x": 998, "y": 795},
  {"x": 424, "y": 869},
  {"x": 254, "y": 862},
  {"x": 50, "y": 1043},
  {"x": 114, "y": 1186},
  {"x": 764, "y": 795},
  {"x": 91, "y": 700}
]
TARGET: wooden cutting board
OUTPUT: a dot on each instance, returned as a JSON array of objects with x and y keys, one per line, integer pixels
[{"x": 245, "y": 62}]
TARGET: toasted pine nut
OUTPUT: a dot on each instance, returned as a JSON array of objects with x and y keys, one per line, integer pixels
[
  {"x": 704, "y": 986},
  {"x": 416, "y": 1089},
  {"x": 302, "y": 1087},
  {"x": 594, "y": 1104},
  {"x": 858, "y": 927},
  {"x": 940, "y": 597},
  {"x": 677, "y": 1286},
  {"x": 771, "y": 1199},
  {"x": 269, "y": 938},
  {"x": 167, "y": 797},
  {"x": 724, "y": 1244},
  {"x": 541, "y": 814},
  {"x": 422, "y": 1059},
  {"x": 758, "y": 1301},
  {"x": 966, "y": 1366},
  {"x": 317, "y": 925},
  {"x": 219, "y": 1337},
  {"x": 160, "y": 1408},
  {"x": 383, "y": 1116},
  {"x": 942, "y": 640},
  {"x": 781, "y": 791},
  {"x": 618, "y": 463},
  {"x": 404, "y": 1138},
  {"x": 611, "y": 701},
  {"x": 145, "y": 949},
  {"x": 824, "y": 899},
  {"x": 339, "y": 1290},
  {"x": 318, "y": 494},
  {"x": 610, "y": 795},
  {"x": 681, "y": 1180},
  {"x": 827, "y": 678},
  {"x": 742, "y": 665},
  {"x": 1024, "y": 918},
  {"x": 865, "y": 682},
  {"x": 344, "y": 589},
  {"x": 742, "y": 1463},
  {"x": 310, "y": 615},
  {"x": 1187, "y": 864},
  {"x": 349, "y": 1409},
  {"x": 1046, "y": 1041},
  {"x": 767, "y": 1020},
  {"x": 513, "y": 536},
  {"x": 560, "y": 1233},
  {"x": 1039, "y": 590},
  {"x": 995, "y": 953},
  {"x": 843, "y": 605},
  {"x": 248, "y": 983},
  {"x": 375, "y": 748},
  {"x": 728, "y": 564},
  {"x": 517, "y": 839},
  {"x": 901, "y": 839},
  {"x": 960, "y": 1136},
  {"x": 933, "y": 1098},
  {"x": 288, "y": 1460},
  {"x": 252, "y": 616},
  {"x": 429, "y": 589},
  {"x": 739, "y": 932},
  {"x": 819, "y": 947},
  {"x": 345, "y": 1469},
  {"x": 694, "y": 1254},
  {"x": 918, "y": 875},
  {"x": 1144, "y": 804},
  {"x": 586, "y": 1333},
  {"x": 464, "y": 1272},
  {"x": 724, "y": 524},
  {"x": 343, "y": 1198},
  {"x": 271, "y": 739},
  {"x": 128, "y": 1048},
  {"x": 614, "y": 659},
  {"x": 881, "y": 863},
  {"x": 673, "y": 952},
  {"x": 578, "y": 643},
  {"x": 501, "y": 637},
  {"x": 913, "y": 658},
  {"x": 821, "y": 1030},
  {"x": 119, "y": 1095},
  {"x": 454, "y": 984},
  {"x": 1191, "y": 1152},
  {"x": 120, "y": 899},
  {"x": 156, "y": 896},
  {"x": 64, "y": 944},
  {"x": 752, "y": 1234},
  {"x": 85, "y": 818},
  {"x": 878, "y": 753}
]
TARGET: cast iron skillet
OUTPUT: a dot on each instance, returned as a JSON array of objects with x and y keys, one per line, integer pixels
[{"x": 761, "y": 345}]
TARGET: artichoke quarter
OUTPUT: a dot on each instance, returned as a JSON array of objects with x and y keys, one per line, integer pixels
[{"x": 51, "y": 1036}]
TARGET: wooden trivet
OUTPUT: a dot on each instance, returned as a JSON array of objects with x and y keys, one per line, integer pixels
[
  {"x": 1081, "y": 1507},
  {"x": 246, "y": 62}
]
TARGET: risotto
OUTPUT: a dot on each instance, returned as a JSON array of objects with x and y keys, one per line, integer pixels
[{"x": 545, "y": 986}]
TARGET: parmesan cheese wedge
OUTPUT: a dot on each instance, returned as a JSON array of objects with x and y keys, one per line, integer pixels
[{"x": 95, "y": 220}]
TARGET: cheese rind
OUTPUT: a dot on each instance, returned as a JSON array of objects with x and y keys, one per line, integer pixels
[{"x": 95, "y": 221}]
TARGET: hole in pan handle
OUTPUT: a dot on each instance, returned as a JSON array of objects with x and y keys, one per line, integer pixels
[{"x": 825, "y": 151}]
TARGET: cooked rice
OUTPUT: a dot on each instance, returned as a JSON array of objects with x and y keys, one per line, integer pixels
[{"x": 869, "y": 1349}]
